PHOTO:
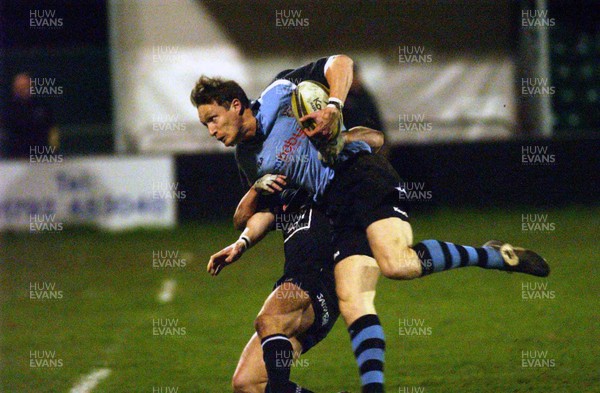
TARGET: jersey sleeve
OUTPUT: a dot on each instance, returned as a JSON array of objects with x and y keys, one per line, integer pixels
[{"x": 314, "y": 71}]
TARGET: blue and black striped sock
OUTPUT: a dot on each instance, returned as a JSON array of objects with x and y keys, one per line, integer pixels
[
  {"x": 437, "y": 256},
  {"x": 368, "y": 344}
]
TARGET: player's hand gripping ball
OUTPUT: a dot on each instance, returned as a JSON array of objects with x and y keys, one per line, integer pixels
[{"x": 311, "y": 97}]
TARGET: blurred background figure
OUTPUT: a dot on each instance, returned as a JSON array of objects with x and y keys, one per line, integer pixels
[
  {"x": 27, "y": 121},
  {"x": 360, "y": 108}
]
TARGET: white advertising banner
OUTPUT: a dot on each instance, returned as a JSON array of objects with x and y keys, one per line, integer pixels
[{"x": 45, "y": 195}]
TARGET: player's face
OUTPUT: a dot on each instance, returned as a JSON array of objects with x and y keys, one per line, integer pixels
[{"x": 222, "y": 123}]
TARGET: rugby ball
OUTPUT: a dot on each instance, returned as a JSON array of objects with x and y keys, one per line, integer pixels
[{"x": 311, "y": 96}]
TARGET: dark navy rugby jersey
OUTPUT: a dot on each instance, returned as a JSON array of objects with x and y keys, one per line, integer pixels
[{"x": 306, "y": 241}]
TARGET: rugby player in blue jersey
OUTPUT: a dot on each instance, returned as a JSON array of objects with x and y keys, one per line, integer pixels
[
  {"x": 302, "y": 307},
  {"x": 359, "y": 193}
]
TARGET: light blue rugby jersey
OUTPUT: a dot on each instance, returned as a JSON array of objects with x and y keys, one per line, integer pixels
[{"x": 280, "y": 146}]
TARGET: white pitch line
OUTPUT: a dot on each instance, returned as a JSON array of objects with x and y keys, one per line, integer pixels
[
  {"x": 167, "y": 291},
  {"x": 89, "y": 382}
]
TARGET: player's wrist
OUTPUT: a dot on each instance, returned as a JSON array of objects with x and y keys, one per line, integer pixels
[
  {"x": 335, "y": 102},
  {"x": 332, "y": 106},
  {"x": 244, "y": 242}
]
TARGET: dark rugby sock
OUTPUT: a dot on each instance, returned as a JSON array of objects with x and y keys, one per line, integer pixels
[
  {"x": 368, "y": 344},
  {"x": 278, "y": 355},
  {"x": 437, "y": 256}
]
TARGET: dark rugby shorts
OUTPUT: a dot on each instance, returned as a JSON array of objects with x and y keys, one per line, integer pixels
[
  {"x": 365, "y": 189},
  {"x": 321, "y": 290}
]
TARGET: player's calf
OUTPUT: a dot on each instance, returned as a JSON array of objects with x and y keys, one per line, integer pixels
[
  {"x": 250, "y": 375},
  {"x": 244, "y": 384},
  {"x": 287, "y": 312},
  {"x": 356, "y": 281},
  {"x": 355, "y": 284}
]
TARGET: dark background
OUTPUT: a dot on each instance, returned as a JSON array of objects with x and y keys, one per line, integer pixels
[{"x": 474, "y": 174}]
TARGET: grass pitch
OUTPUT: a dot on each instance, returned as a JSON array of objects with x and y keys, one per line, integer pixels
[{"x": 467, "y": 330}]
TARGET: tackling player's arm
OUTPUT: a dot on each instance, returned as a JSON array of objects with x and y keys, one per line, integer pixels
[
  {"x": 257, "y": 224},
  {"x": 257, "y": 227},
  {"x": 339, "y": 74},
  {"x": 245, "y": 209},
  {"x": 268, "y": 184},
  {"x": 373, "y": 138}
]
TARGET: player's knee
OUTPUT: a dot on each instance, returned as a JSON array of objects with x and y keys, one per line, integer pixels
[
  {"x": 390, "y": 241},
  {"x": 261, "y": 324},
  {"x": 237, "y": 384},
  {"x": 351, "y": 311},
  {"x": 354, "y": 306},
  {"x": 401, "y": 264},
  {"x": 267, "y": 324}
]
